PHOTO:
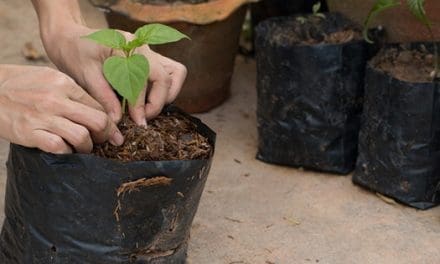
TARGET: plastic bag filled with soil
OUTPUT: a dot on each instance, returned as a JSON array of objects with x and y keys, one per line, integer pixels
[
  {"x": 310, "y": 86},
  {"x": 265, "y": 9},
  {"x": 274, "y": 8},
  {"x": 399, "y": 145},
  {"x": 84, "y": 209}
]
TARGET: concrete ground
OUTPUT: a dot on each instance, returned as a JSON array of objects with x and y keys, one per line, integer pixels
[{"x": 253, "y": 212}]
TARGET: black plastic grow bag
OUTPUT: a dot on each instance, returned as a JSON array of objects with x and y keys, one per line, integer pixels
[
  {"x": 399, "y": 143},
  {"x": 64, "y": 209},
  {"x": 309, "y": 98}
]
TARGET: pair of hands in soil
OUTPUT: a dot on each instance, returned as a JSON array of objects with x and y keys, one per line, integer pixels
[{"x": 57, "y": 111}]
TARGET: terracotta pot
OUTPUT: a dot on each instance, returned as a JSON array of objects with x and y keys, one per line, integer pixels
[
  {"x": 214, "y": 28},
  {"x": 400, "y": 24}
]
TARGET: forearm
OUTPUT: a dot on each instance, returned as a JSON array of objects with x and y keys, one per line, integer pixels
[
  {"x": 56, "y": 15},
  {"x": 3, "y": 69}
]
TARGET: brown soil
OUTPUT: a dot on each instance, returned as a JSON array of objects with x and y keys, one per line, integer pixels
[
  {"x": 312, "y": 30},
  {"x": 403, "y": 63},
  {"x": 170, "y": 136}
]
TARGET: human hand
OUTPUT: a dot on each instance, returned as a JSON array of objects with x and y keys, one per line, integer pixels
[
  {"x": 83, "y": 60},
  {"x": 44, "y": 108}
]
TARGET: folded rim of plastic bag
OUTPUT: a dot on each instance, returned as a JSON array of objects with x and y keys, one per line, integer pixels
[{"x": 200, "y": 14}]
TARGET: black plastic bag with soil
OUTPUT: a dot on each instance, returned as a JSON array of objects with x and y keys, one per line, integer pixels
[
  {"x": 310, "y": 88},
  {"x": 85, "y": 209},
  {"x": 399, "y": 143},
  {"x": 274, "y": 8},
  {"x": 266, "y": 9}
]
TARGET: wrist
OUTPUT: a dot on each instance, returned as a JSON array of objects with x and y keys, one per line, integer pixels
[
  {"x": 57, "y": 16},
  {"x": 54, "y": 35},
  {"x": 62, "y": 39},
  {"x": 5, "y": 71}
]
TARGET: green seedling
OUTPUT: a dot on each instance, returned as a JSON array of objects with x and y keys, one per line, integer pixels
[
  {"x": 128, "y": 74},
  {"x": 417, "y": 8},
  {"x": 316, "y": 12}
]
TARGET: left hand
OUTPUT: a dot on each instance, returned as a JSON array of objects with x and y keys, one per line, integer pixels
[{"x": 83, "y": 59}]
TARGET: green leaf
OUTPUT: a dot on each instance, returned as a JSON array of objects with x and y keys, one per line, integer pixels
[
  {"x": 108, "y": 37},
  {"x": 316, "y": 8},
  {"x": 301, "y": 19},
  {"x": 379, "y": 7},
  {"x": 418, "y": 10},
  {"x": 135, "y": 43},
  {"x": 321, "y": 15},
  {"x": 128, "y": 76},
  {"x": 154, "y": 34}
]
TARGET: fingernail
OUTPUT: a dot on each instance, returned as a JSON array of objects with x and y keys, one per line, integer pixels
[
  {"x": 117, "y": 139},
  {"x": 139, "y": 116},
  {"x": 143, "y": 122}
]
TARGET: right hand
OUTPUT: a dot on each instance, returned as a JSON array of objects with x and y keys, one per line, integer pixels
[
  {"x": 82, "y": 60},
  {"x": 44, "y": 108}
]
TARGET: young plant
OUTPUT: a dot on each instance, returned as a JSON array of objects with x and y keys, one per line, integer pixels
[
  {"x": 128, "y": 74},
  {"x": 316, "y": 12},
  {"x": 417, "y": 8}
]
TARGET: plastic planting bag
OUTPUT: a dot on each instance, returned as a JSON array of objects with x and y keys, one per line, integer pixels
[
  {"x": 309, "y": 97},
  {"x": 82, "y": 209},
  {"x": 399, "y": 145}
]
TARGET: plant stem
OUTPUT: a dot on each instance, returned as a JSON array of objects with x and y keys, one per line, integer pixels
[
  {"x": 436, "y": 60},
  {"x": 124, "y": 105},
  {"x": 436, "y": 55}
]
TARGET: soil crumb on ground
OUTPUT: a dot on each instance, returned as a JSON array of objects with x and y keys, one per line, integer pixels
[
  {"x": 312, "y": 30},
  {"x": 403, "y": 63},
  {"x": 169, "y": 136}
]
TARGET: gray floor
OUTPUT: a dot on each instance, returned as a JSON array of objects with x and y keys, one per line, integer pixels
[{"x": 253, "y": 212}]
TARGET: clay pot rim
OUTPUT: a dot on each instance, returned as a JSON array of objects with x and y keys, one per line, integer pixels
[{"x": 200, "y": 14}]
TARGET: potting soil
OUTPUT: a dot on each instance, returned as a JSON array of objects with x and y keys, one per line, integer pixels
[
  {"x": 406, "y": 63},
  {"x": 310, "y": 30},
  {"x": 170, "y": 136}
]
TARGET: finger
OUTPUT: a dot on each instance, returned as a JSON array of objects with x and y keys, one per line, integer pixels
[
  {"x": 101, "y": 91},
  {"x": 76, "y": 135},
  {"x": 100, "y": 125},
  {"x": 178, "y": 73},
  {"x": 78, "y": 94},
  {"x": 49, "y": 142},
  {"x": 137, "y": 112},
  {"x": 158, "y": 94}
]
